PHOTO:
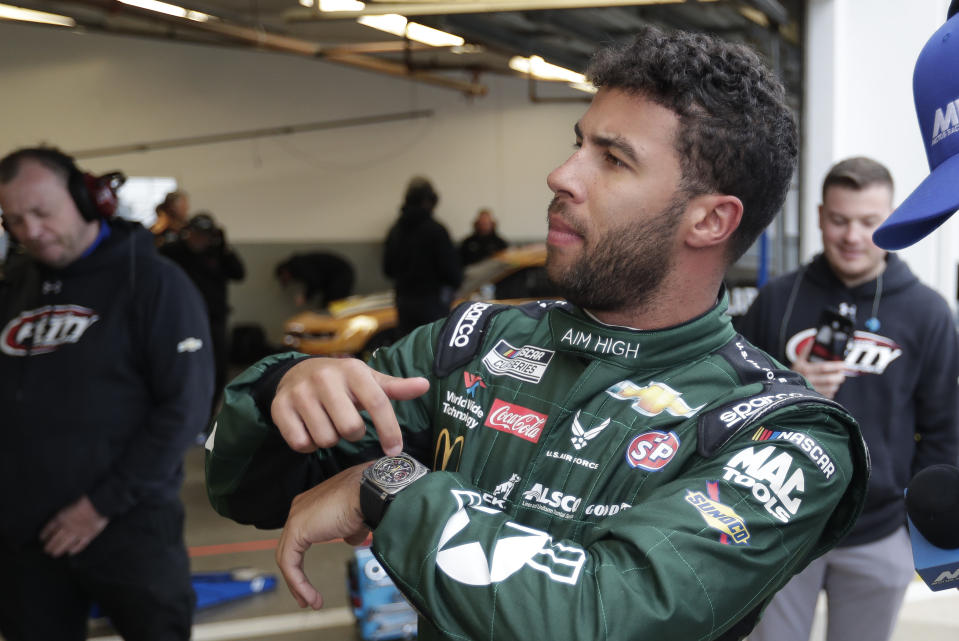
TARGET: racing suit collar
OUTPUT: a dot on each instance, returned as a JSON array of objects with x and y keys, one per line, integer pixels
[{"x": 574, "y": 331}]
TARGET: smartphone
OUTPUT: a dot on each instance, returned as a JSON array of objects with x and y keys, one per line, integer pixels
[{"x": 834, "y": 336}]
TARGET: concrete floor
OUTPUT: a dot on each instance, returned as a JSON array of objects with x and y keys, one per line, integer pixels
[{"x": 219, "y": 544}]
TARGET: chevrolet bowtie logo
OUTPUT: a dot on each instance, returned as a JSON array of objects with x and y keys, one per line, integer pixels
[{"x": 653, "y": 399}]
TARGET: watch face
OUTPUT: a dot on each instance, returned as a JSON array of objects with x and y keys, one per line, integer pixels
[{"x": 393, "y": 470}]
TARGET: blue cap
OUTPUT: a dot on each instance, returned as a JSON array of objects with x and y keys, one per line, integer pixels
[{"x": 935, "y": 89}]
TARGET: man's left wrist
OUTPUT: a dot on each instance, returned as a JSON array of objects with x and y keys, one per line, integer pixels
[{"x": 383, "y": 481}]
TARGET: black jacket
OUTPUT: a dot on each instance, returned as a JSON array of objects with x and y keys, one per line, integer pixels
[
  {"x": 476, "y": 247},
  {"x": 210, "y": 271},
  {"x": 106, "y": 377},
  {"x": 901, "y": 377},
  {"x": 420, "y": 256}
]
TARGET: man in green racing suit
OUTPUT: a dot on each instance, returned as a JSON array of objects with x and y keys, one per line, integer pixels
[{"x": 589, "y": 480}]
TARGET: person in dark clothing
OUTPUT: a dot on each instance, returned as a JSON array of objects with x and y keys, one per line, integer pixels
[
  {"x": 483, "y": 242},
  {"x": 203, "y": 253},
  {"x": 421, "y": 258},
  {"x": 323, "y": 277},
  {"x": 105, "y": 377},
  {"x": 898, "y": 380}
]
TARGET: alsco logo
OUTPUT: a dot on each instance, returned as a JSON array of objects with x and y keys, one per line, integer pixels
[
  {"x": 43, "y": 330},
  {"x": 516, "y": 420},
  {"x": 946, "y": 122},
  {"x": 653, "y": 399}
]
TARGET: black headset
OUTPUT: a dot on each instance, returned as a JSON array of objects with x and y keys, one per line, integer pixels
[{"x": 94, "y": 196}]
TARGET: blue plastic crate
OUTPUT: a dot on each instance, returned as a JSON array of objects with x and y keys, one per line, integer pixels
[{"x": 381, "y": 610}]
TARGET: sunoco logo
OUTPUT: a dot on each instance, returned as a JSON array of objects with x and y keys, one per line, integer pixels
[
  {"x": 466, "y": 324},
  {"x": 719, "y": 517}
]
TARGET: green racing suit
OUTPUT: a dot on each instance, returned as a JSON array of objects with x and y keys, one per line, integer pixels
[{"x": 589, "y": 481}]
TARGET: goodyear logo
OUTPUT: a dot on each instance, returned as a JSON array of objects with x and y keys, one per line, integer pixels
[
  {"x": 653, "y": 399},
  {"x": 719, "y": 517}
]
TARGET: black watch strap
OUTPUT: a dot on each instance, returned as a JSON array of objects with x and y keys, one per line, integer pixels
[{"x": 373, "y": 503}]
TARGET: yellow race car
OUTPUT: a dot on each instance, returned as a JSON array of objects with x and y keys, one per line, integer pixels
[{"x": 357, "y": 325}]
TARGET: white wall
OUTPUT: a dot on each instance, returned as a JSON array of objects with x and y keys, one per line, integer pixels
[
  {"x": 860, "y": 56},
  {"x": 81, "y": 91}
]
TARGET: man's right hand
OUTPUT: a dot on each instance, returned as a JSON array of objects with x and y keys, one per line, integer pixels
[
  {"x": 824, "y": 376},
  {"x": 318, "y": 402}
]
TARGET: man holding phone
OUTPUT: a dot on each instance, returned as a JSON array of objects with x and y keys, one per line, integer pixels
[{"x": 897, "y": 377}]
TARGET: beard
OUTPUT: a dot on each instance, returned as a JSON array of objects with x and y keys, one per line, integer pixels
[{"x": 623, "y": 268}]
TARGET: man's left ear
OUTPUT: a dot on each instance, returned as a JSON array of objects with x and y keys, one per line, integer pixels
[{"x": 715, "y": 218}]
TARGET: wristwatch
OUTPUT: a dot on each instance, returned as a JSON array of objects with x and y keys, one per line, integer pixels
[{"x": 383, "y": 480}]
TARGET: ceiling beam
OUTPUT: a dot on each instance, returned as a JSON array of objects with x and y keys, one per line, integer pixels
[
  {"x": 262, "y": 39},
  {"x": 446, "y": 8}
]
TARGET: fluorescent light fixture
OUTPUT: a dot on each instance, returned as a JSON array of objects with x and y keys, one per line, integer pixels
[
  {"x": 341, "y": 5},
  {"x": 8, "y": 12},
  {"x": 168, "y": 9},
  {"x": 389, "y": 22},
  {"x": 431, "y": 36},
  {"x": 399, "y": 26},
  {"x": 306, "y": 3},
  {"x": 539, "y": 68}
]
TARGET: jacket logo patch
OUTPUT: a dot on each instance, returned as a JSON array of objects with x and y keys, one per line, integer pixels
[
  {"x": 463, "y": 409},
  {"x": 807, "y": 444},
  {"x": 501, "y": 492},
  {"x": 527, "y": 363},
  {"x": 652, "y": 451},
  {"x": 600, "y": 344},
  {"x": 43, "y": 330},
  {"x": 653, "y": 399},
  {"x": 467, "y": 324},
  {"x": 516, "y": 420},
  {"x": 768, "y": 479},
  {"x": 448, "y": 451},
  {"x": 720, "y": 517},
  {"x": 191, "y": 344},
  {"x": 472, "y": 383},
  {"x": 469, "y": 558},
  {"x": 581, "y": 437},
  {"x": 552, "y": 501}
]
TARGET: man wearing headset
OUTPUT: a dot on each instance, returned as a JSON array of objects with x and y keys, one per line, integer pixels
[
  {"x": 897, "y": 378},
  {"x": 105, "y": 377}
]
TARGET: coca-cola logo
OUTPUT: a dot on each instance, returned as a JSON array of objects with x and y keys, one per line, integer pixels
[{"x": 516, "y": 420}]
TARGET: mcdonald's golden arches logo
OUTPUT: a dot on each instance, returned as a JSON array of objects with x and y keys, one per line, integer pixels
[{"x": 447, "y": 451}]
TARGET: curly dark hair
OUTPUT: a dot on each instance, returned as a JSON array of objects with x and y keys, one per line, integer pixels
[{"x": 736, "y": 134}]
